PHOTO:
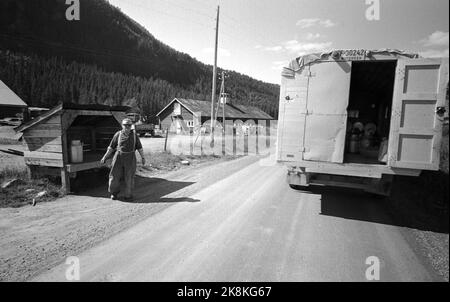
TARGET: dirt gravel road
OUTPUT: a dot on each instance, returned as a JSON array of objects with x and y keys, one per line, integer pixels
[
  {"x": 250, "y": 226},
  {"x": 34, "y": 239}
]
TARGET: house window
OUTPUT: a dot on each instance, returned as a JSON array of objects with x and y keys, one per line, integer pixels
[
  {"x": 190, "y": 124},
  {"x": 176, "y": 109}
]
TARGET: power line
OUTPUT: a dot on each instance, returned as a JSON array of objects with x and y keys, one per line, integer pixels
[
  {"x": 229, "y": 32},
  {"x": 192, "y": 10},
  {"x": 237, "y": 29},
  {"x": 231, "y": 37},
  {"x": 132, "y": 3},
  {"x": 239, "y": 25},
  {"x": 77, "y": 48},
  {"x": 212, "y": 6}
]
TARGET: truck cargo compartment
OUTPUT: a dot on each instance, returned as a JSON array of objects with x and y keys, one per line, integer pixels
[
  {"x": 369, "y": 112},
  {"x": 361, "y": 113}
]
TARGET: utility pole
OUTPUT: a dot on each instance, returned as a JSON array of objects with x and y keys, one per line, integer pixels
[
  {"x": 222, "y": 90},
  {"x": 224, "y": 100},
  {"x": 213, "y": 93}
]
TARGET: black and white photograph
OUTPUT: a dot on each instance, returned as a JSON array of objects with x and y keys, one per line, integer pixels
[{"x": 225, "y": 147}]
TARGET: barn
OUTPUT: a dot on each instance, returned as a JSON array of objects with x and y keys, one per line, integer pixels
[
  {"x": 184, "y": 115},
  {"x": 10, "y": 103}
]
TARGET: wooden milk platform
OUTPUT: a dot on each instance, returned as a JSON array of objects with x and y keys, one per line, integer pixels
[{"x": 47, "y": 139}]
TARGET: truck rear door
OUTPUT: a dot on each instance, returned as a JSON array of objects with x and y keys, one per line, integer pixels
[
  {"x": 418, "y": 114},
  {"x": 292, "y": 113},
  {"x": 326, "y": 111}
]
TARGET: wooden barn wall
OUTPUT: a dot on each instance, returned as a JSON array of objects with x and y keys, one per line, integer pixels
[{"x": 166, "y": 116}]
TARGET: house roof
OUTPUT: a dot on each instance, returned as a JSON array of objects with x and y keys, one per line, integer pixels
[
  {"x": 9, "y": 98},
  {"x": 253, "y": 112},
  {"x": 69, "y": 106},
  {"x": 232, "y": 111}
]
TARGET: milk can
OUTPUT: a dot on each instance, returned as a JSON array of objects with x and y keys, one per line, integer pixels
[
  {"x": 76, "y": 152},
  {"x": 354, "y": 143}
]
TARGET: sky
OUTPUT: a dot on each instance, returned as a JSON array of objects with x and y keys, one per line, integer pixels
[{"x": 259, "y": 37}]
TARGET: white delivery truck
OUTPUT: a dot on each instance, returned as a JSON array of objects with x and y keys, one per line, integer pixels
[{"x": 355, "y": 118}]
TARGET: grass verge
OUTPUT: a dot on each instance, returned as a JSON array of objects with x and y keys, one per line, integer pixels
[
  {"x": 24, "y": 193},
  {"x": 166, "y": 161}
]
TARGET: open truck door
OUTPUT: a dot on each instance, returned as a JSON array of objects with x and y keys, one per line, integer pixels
[
  {"x": 326, "y": 111},
  {"x": 293, "y": 95},
  {"x": 418, "y": 113},
  {"x": 313, "y": 113}
]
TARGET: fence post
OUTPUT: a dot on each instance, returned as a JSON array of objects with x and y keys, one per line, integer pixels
[
  {"x": 246, "y": 134},
  {"x": 165, "y": 142},
  {"x": 234, "y": 141}
]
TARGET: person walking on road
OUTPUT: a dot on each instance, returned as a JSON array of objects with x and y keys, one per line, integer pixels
[{"x": 124, "y": 145}]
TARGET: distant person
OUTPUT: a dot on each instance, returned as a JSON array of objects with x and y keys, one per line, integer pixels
[{"x": 124, "y": 145}]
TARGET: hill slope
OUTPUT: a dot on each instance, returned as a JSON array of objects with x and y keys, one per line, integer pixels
[{"x": 103, "y": 46}]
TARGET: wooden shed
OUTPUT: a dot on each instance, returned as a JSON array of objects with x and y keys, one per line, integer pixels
[{"x": 47, "y": 139}]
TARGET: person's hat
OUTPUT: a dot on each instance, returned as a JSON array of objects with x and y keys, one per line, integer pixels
[{"x": 127, "y": 121}]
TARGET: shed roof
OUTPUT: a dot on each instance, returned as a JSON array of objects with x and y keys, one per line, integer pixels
[
  {"x": 9, "y": 98},
  {"x": 70, "y": 106},
  {"x": 232, "y": 111}
]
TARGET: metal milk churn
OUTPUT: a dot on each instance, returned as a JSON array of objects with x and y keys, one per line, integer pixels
[
  {"x": 76, "y": 149},
  {"x": 354, "y": 143}
]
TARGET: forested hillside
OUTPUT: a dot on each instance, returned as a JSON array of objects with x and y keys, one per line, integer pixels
[{"x": 105, "y": 57}]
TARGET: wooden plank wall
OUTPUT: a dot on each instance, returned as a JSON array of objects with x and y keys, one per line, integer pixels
[
  {"x": 94, "y": 138},
  {"x": 43, "y": 144},
  {"x": 167, "y": 119},
  {"x": 104, "y": 136}
]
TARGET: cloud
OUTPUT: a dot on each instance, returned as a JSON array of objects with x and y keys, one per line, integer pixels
[
  {"x": 436, "y": 45},
  {"x": 311, "y": 36},
  {"x": 438, "y": 38},
  {"x": 432, "y": 53},
  {"x": 307, "y": 23},
  {"x": 301, "y": 48},
  {"x": 327, "y": 23},
  {"x": 258, "y": 46}
]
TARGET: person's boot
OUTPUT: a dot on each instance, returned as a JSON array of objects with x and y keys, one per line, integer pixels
[{"x": 113, "y": 197}]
